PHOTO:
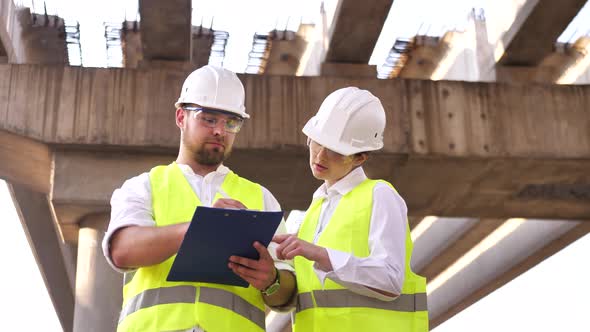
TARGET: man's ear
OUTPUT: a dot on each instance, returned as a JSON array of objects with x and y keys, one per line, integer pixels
[{"x": 180, "y": 117}]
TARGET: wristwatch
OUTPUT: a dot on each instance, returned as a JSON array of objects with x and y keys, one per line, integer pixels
[{"x": 274, "y": 287}]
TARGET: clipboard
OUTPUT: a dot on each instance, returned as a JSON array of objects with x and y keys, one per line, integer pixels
[{"x": 216, "y": 234}]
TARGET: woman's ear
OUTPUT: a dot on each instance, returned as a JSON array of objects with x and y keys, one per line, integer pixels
[{"x": 360, "y": 158}]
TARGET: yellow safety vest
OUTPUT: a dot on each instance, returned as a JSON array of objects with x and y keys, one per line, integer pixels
[
  {"x": 150, "y": 303},
  {"x": 335, "y": 308}
]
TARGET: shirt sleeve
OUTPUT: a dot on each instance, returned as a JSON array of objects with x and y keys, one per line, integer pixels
[
  {"x": 384, "y": 268},
  {"x": 271, "y": 204},
  {"x": 131, "y": 205}
]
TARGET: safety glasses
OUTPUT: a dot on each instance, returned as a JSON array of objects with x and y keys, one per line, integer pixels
[{"x": 212, "y": 118}]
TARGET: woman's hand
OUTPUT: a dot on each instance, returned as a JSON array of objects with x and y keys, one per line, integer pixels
[{"x": 290, "y": 246}]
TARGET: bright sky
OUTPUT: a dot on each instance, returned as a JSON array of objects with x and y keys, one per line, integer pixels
[{"x": 26, "y": 304}]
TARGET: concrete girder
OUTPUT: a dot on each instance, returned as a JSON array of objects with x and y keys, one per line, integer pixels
[
  {"x": 479, "y": 144},
  {"x": 287, "y": 49},
  {"x": 10, "y": 32},
  {"x": 55, "y": 260},
  {"x": 426, "y": 56},
  {"x": 453, "y": 249},
  {"x": 355, "y": 30},
  {"x": 525, "y": 247},
  {"x": 166, "y": 29},
  {"x": 25, "y": 161},
  {"x": 435, "y": 236},
  {"x": 84, "y": 182},
  {"x": 539, "y": 31},
  {"x": 132, "y": 108}
]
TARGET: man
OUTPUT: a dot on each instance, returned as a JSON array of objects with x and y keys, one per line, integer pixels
[
  {"x": 151, "y": 213},
  {"x": 352, "y": 251}
]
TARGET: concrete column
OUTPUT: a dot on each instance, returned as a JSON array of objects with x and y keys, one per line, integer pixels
[{"x": 98, "y": 286}]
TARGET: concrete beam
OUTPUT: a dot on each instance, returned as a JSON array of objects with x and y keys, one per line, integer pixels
[
  {"x": 131, "y": 44},
  {"x": 538, "y": 33},
  {"x": 356, "y": 28},
  {"x": 455, "y": 248},
  {"x": 166, "y": 29},
  {"x": 426, "y": 56},
  {"x": 10, "y": 32},
  {"x": 84, "y": 182},
  {"x": 58, "y": 272},
  {"x": 349, "y": 70},
  {"x": 437, "y": 237},
  {"x": 479, "y": 143},
  {"x": 538, "y": 243},
  {"x": 133, "y": 108},
  {"x": 43, "y": 38},
  {"x": 202, "y": 40},
  {"x": 25, "y": 161},
  {"x": 287, "y": 49}
]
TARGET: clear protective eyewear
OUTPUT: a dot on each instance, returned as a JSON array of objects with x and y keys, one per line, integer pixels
[{"x": 211, "y": 118}]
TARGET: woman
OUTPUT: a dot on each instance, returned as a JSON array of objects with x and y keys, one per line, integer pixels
[{"x": 352, "y": 251}]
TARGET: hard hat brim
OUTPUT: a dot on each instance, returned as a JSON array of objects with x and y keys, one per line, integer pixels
[{"x": 332, "y": 143}]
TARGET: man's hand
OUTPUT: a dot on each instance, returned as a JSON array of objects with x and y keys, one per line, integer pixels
[
  {"x": 228, "y": 203},
  {"x": 290, "y": 246},
  {"x": 258, "y": 273}
]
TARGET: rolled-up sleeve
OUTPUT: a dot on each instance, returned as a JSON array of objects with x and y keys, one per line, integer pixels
[{"x": 131, "y": 205}]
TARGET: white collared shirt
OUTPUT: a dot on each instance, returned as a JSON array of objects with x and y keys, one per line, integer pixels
[
  {"x": 384, "y": 267},
  {"x": 131, "y": 205}
]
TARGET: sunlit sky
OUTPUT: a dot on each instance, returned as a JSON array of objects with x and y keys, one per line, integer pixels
[{"x": 552, "y": 296}]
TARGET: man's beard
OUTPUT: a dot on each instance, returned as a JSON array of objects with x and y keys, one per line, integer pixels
[{"x": 211, "y": 157}]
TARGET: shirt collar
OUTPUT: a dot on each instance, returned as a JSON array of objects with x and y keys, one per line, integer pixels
[
  {"x": 343, "y": 186},
  {"x": 221, "y": 170}
]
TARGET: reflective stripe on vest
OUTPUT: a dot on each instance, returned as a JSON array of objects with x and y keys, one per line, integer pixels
[
  {"x": 188, "y": 294},
  {"x": 342, "y": 298},
  {"x": 128, "y": 276}
]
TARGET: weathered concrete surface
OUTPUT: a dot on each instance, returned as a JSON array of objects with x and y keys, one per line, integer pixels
[
  {"x": 133, "y": 108},
  {"x": 202, "y": 39},
  {"x": 10, "y": 32},
  {"x": 43, "y": 38},
  {"x": 287, "y": 49},
  {"x": 131, "y": 44},
  {"x": 166, "y": 29},
  {"x": 34, "y": 210},
  {"x": 355, "y": 30},
  {"x": 349, "y": 70},
  {"x": 427, "y": 54},
  {"x": 538, "y": 33},
  {"x": 25, "y": 161},
  {"x": 451, "y": 148}
]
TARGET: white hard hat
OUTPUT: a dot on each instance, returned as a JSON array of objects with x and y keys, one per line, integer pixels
[
  {"x": 214, "y": 87},
  {"x": 349, "y": 121}
]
